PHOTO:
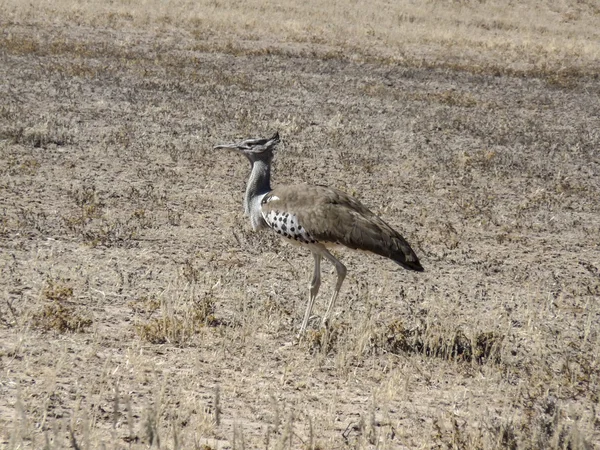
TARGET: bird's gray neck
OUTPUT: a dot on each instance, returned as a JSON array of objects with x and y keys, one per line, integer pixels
[{"x": 259, "y": 184}]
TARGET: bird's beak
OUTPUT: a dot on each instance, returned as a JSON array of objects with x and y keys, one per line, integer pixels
[{"x": 230, "y": 146}]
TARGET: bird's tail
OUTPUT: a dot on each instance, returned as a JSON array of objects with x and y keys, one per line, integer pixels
[{"x": 401, "y": 253}]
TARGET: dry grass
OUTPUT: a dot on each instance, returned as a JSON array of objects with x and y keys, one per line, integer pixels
[
  {"x": 549, "y": 38},
  {"x": 57, "y": 314},
  {"x": 138, "y": 309},
  {"x": 176, "y": 324}
]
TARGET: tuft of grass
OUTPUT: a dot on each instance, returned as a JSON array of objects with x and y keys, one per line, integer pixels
[
  {"x": 326, "y": 339},
  {"x": 178, "y": 327},
  {"x": 56, "y": 314},
  {"x": 57, "y": 291},
  {"x": 395, "y": 338},
  {"x": 148, "y": 305},
  {"x": 61, "y": 318}
]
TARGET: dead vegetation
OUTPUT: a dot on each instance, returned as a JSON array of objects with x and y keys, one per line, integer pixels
[
  {"x": 555, "y": 41},
  {"x": 175, "y": 325},
  {"x": 58, "y": 312},
  {"x": 139, "y": 311},
  {"x": 395, "y": 338}
]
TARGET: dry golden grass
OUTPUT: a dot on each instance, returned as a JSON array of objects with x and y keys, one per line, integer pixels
[
  {"x": 139, "y": 311},
  {"x": 57, "y": 314},
  {"x": 534, "y": 36}
]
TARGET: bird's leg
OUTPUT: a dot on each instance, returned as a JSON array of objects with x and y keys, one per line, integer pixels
[
  {"x": 315, "y": 284},
  {"x": 341, "y": 274}
]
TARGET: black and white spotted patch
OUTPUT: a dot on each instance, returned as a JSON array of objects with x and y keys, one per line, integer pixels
[{"x": 286, "y": 225}]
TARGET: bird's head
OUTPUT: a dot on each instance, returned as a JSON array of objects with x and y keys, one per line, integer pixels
[{"x": 255, "y": 149}]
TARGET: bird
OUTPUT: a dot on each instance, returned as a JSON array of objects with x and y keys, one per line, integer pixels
[{"x": 316, "y": 217}]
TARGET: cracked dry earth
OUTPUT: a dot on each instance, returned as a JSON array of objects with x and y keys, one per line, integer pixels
[{"x": 139, "y": 309}]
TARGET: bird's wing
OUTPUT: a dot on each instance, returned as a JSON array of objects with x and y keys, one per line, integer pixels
[{"x": 330, "y": 216}]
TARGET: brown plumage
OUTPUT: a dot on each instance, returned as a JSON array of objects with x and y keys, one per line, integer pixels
[{"x": 333, "y": 217}]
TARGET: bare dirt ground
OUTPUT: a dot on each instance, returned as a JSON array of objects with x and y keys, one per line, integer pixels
[{"x": 138, "y": 309}]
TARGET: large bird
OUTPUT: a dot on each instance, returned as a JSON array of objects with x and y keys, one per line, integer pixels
[{"x": 316, "y": 217}]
